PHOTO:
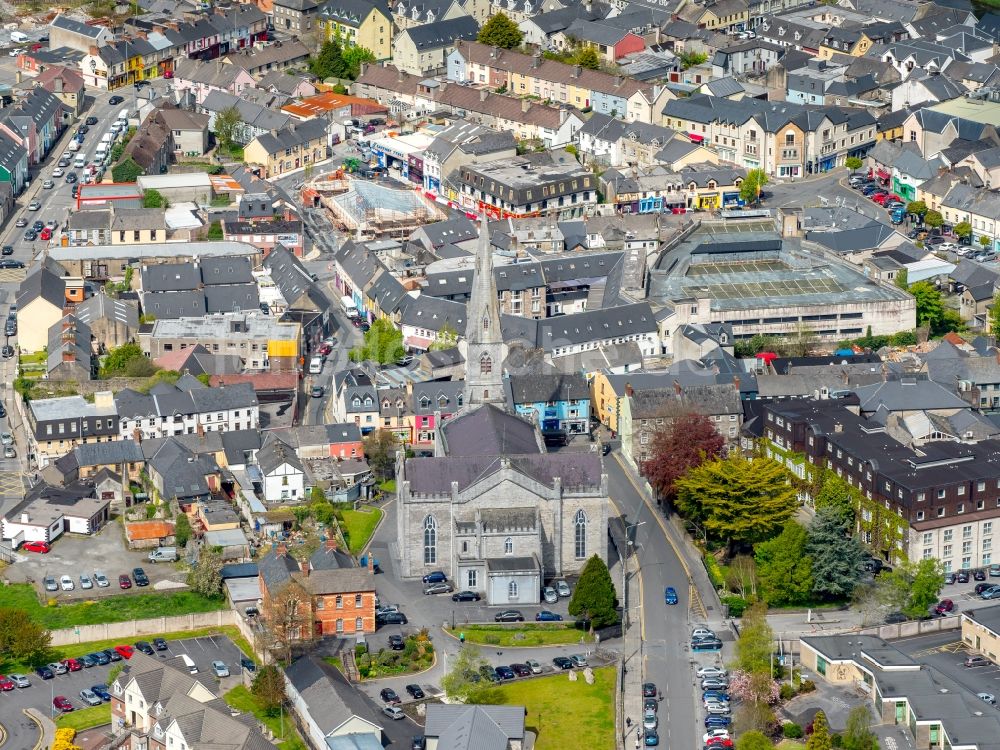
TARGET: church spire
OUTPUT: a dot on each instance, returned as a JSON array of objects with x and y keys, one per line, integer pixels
[{"x": 484, "y": 343}]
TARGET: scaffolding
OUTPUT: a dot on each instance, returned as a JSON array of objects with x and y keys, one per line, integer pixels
[{"x": 371, "y": 210}]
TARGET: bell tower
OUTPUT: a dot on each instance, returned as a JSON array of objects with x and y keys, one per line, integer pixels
[{"x": 484, "y": 344}]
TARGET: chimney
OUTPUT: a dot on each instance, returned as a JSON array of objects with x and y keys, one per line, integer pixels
[
  {"x": 677, "y": 388},
  {"x": 93, "y": 50},
  {"x": 525, "y": 105},
  {"x": 330, "y": 545},
  {"x": 577, "y": 71},
  {"x": 618, "y": 81},
  {"x": 371, "y": 562},
  {"x": 304, "y": 567},
  {"x": 628, "y": 390},
  {"x": 483, "y": 94},
  {"x": 536, "y": 61},
  {"x": 838, "y": 427},
  {"x": 364, "y": 67},
  {"x": 736, "y": 382},
  {"x": 57, "y": 84},
  {"x": 495, "y": 52},
  {"x": 281, "y": 550},
  {"x": 400, "y": 76}
]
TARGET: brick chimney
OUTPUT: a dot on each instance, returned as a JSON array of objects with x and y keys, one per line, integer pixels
[
  {"x": 371, "y": 562},
  {"x": 525, "y": 105},
  {"x": 330, "y": 545},
  {"x": 628, "y": 390},
  {"x": 93, "y": 50},
  {"x": 677, "y": 388},
  {"x": 304, "y": 567},
  {"x": 281, "y": 549},
  {"x": 736, "y": 382}
]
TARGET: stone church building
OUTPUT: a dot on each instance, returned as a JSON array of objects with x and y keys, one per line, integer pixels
[{"x": 492, "y": 509}]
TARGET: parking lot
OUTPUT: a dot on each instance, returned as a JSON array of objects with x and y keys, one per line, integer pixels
[
  {"x": 104, "y": 552},
  {"x": 203, "y": 651},
  {"x": 946, "y": 653}
]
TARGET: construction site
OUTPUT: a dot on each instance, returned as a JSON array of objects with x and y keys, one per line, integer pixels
[{"x": 368, "y": 209}]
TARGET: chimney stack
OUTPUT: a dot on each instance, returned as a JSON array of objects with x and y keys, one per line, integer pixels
[
  {"x": 525, "y": 105},
  {"x": 736, "y": 382},
  {"x": 281, "y": 550},
  {"x": 628, "y": 390},
  {"x": 371, "y": 562},
  {"x": 330, "y": 545},
  {"x": 677, "y": 388},
  {"x": 483, "y": 93}
]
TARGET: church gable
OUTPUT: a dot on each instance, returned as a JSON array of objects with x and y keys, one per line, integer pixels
[{"x": 506, "y": 488}]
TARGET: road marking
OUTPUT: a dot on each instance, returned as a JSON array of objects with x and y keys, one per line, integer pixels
[
  {"x": 696, "y": 607},
  {"x": 890, "y": 743}
]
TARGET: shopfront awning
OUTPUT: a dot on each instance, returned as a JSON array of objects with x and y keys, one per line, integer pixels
[{"x": 883, "y": 175}]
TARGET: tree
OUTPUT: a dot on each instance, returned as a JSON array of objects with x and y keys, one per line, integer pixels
[
  {"x": 853, "y": 163},
  {"x": 462, "y": 681},
  {"x": 383, "y": 344},
  {"x": 205, "y": 577},
  {"x": 918, "y": 208},
  {"x": 933, "y": 219},
  {"x": 269, "y": 689},
  {"x": 227, "y": 122},
  {"x": 994, "y": 315},
  {"x": 912, "y": 587},
  {"x": 329, "y": 63},
  {"x": 753, "y": 648},
  {"x": 127, "y": 171},
  {"x": 783, "y": 567},
  {"x": 903, "y": 279},
  {"x": 288, "y": 617},
  {"x": 738, "y": 500},
  {"x": 930, "y": 306},
  {"x": 594, "y": 598},
  {"x": 153, "y": 199},
  {"x": 820, "y": 737},
  {"x": 352, "y": 57},
  {"x": 685, "y": 442},
  {"x": 690, "y": 59},
  {"x": 380, "y": 450},
  {"x": 754, "y": 739},
  {"x": 215, "y": 231},
  {"x": 836, "y": 567},
  {"x": 182, "y": 530},
  {"x": 447, "y": 337},
  {"x": 127, "y": 360},
  {"x": 858, "y": 734},
  {"x": 752, "y": 185},
  {"x": 742, "y": 577},
  {"x": 985, "y": 241},
  {"x": 501, "y": 32},
  {"x": 588, "y": 58},
  {"x": 21, "y": 638},
  {"x": 837, "y": 495},
  {"x": 963, "y": 229}
]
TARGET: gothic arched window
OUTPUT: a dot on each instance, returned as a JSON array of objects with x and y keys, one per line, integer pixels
[
  {"x": 580, "y": 526},
  {"x": 512, "y": 590},
  {"x": 486, "y": 322},
  {"x": 485, "y": 364},
  {"x": 430, "y": 541}
]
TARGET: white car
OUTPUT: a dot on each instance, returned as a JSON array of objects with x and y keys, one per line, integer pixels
[
  {"x": 704, "y": 672},
  {"x": 716, "y": 733},
  {"x": 58, "y": 172},
  {"x": 6, "y": 438},
  {"x": 534, "y": 666},
  {"x": 649, "y": 719},
  {"x": 66, "y": 583},
  {"x": 702, "y": 633},
  {"x": 948, "y": 247},
  {"x": 220, "y": 669},
  {"x": 987, "y": 698}
]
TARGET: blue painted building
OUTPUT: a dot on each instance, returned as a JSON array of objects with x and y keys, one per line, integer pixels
[{"x": 558, "y": 402}]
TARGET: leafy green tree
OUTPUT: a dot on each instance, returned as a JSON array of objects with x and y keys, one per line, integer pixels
[
  {"x": 985, "y": 241},
  {"x": 127, "y": 360},
  {"x": 963, "y": 229},
  {"x": 501, "y": 32},
  {"x": 22, "y": 639},
  {"x": 447, "y": 337},
  {"x": 754, "y": 739},
  {"x": 380, "y": 450},
  {"x": 594, "y": 598},
  {"x": 352, "y": 58},
  {"x": 839, "y": 496},
  {"x": 182, "y": 530},
  {"x": 933, "y": 219},
  {"x": 153, "y": 199},
  {"x": 836, "y": 556},
  {"x": 752, "y": 185},
  {"x": 783, "y": 567},
  {"x": 911, "y": 587},
  {"x": 903, "y": 279},
  {"x": 994, "y": 315},
  {"x": 858, "y": 734},
  {"x": 930, "y": 306},
  {"x": 853, "y": 163},
  {"x": 738, "y": 500},
  {"x": 383, "y": 344},
  {"x": 126, "y": 171},
  {"x": 820, "y": 738},
  {"x": 268, "y": 688},
  {"x": 690, "y": 59},
  {"x": 205, "y": 577},
  {"x": 463, "y": 682},
  {"x": 226, "y": 126},
  {"x": 754, "y": 646},
  {"x": 588, "y": 58},
  {"x": 916, "y": 207},
  {"x": 329, "y": 63}
]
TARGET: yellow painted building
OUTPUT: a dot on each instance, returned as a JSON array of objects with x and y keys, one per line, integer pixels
[{"x": 358, "y": 23}]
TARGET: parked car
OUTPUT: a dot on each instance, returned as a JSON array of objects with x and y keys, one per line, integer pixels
[
  {"x": 40, "y": 547},
  {"x": 561, "y": 662},
  {"x": 220, "y": 669},
  {"x": 579, "y": 660},
  {"x": 714, "y": 683},
  {"x": 144, "y": 647},
  {"x": 88, "y": 661},
  {"x": 562, "y": 588},
  {"x": 124, "y": 582},
  {"x": 388, "y": 695},
  {"x": 995, "y": 570},
  {"x": 716, "y": 721},
  {"x": 85, "y": 582},
  {"x": 435, "y": 576},
  {"x": 316, "y": 392},
  {"x": 45, "y": 673},
  {"x": 101, "y": 692},
  {"x": 711, "y": 672},
  {"x": 962, "y": 576},
  {"x": 489, "y": 674},
  {"x": 944, "y": 607},
  {"x": 509, "y": 615},
  {"x": 115, "y": 100},
  {"x": 415, "y": 692},
  {"x": 50, "y": 583},
  {"x": 987, "y": 698},
  {"x": 438, "y": 588},
  {"x": 465, "y": 596},
  {"x": 159, "y": 644},
  {"x": 650, "y": 738},
  {"x": 521, "y": 670},
  {"x": 709, "y": 644},
  {"x": 549, "y": 595},
  {"x": 505, "y": 673},
  {"x": 547, "y": 616},
  {"x": 72, "y": 665},
  {"x": 534, "y": 666},
  {"x": 141, "y": 579},
  {"x": 393, "y": 712},
  {"x": 713, "y": 733},
  {"x": 894, "y": 618},
  {"x": 112, "y": 654},
  {"x": 19, "y": 680},
  {"x": 993, "y": 592},
  {"x": 125, "y": 651},
  {"x": 649, "y": 719},
  {"x": 391, "y": 618},
  {"x": 976, "y": 661},
  {"x": 101, "y": 658},
  {"x": 649, "y": 690},
  {"x": 396, "y": 642},
  {"x": 66, "y": 583},
  {"x": 6, "y": 684},
  {"x": 101, "y": 580},
  {"x": 90, "y": 697},
  {"x": 61, "y": 703},
  {"x": 247, "y": 664},
  {"x": 702, "y": 633}
]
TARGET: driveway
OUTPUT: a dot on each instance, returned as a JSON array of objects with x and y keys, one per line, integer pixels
[{"x": 105, "y": 552}]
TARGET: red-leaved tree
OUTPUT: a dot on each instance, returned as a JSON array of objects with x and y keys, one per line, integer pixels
[{"x": 686, "y": 441}]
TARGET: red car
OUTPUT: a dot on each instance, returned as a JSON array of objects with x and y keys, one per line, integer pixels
[
  {"x": 46, "y": 234},
  {"x": 61, "y": 702},
  {"x": 720, "y": 742},
  {"x": 944, "y": 607},
  {"x": 125, "y": 651},
  {"x": 124, "y": 582},
  {"x": 42, "y": 547},
  {"x": 72, "y": 665},
  {"x": 5, "y": 683},
  {"x": 325, "y": 349}
]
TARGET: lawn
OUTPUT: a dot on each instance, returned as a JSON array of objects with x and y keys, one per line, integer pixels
[
  {"x": 242, "y": 700},
  {"x": 522, "y": 634},
  {"x": 37, "y": 358},
  {"x": 107, "y": 609},
  {"x": 85, "y": 718},
  {"x": 358, "y": 527},
  {"x": 791, "y": 745},
  {"x": 567, "y": 714}
]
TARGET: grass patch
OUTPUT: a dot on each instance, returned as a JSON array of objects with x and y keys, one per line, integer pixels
[
  {"x": 567, "y": 714},
  {"x": 522, "y": 634},
  {"x": 37, "y": 358},
  {"x": 86, "y": 718},
  {"x": 416, "y": 656},
  {"x": 335, "y": 662},
  {"x": 389, "y": 485},
  {"x": 242, "y": 699},
  {"x": 107, "y": 609},
  {"x": 358, "y": 527},
  {"x": 791, "y": 745}
]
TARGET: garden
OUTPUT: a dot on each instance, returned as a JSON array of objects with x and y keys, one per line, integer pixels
[
  {"x": 358, "y": 527},
  {"x": 86, "y": 718},
  {"x": 522, "y": 634},
  {"x": 416, "y": 655}
]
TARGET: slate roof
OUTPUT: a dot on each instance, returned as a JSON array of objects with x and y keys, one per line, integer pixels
[
  {"x": 489, "y": 431},
  {"x": 41, "y": 283},
  {"x": 462, "y": 727},
  {"x": 537, "y": 387},
  {"x": 77, "y": 27},
  {"x": 442, "y": 33},
  {"x": 772, "y": 116},
  {"x": 332, "y": 700},
  {"x": 907, "y": 394},
  {"x": 712, "y": 399},
  {"x": 293, "y": 135},
  {"x": 436, "y": 475},
  {"x": 274, "y": 453}
]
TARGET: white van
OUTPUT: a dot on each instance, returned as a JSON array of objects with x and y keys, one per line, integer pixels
[
  {"x": 102, "y": 149},
  {"x": 315, "y": 365},
  {"x": 80, "y": 162},
  {"x": 74, "y": 146},
  {"x": 188, "y": 663},
  {"x": 18, "y": 37},
  {"x": 107, "y": 137}
]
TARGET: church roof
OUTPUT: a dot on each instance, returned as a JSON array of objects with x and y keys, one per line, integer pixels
[
  {"x": 489, "y": 431},
  {"x": 434, "y": 476}
]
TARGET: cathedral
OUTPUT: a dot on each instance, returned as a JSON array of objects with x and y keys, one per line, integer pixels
[{"x": 492, "y": 508}]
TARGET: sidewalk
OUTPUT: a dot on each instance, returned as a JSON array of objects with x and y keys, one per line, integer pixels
[
  {"x": 47, "y": 728},
  {"x": 631, "y": 680}
]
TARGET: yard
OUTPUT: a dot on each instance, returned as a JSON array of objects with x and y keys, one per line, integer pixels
[
  {"x": 567, "y": 714},
  {"x": 416, "y": 656},
  {"x": 285, "y": 735},
  {"x": 107, "y": 609},
  {"x": 522, "y": 634},
  {"x": 358, "y": 527},
  {"x": 85, "y": 718}
]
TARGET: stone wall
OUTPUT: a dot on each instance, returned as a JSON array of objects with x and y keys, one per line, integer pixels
[{"x": 133, "y": 629}]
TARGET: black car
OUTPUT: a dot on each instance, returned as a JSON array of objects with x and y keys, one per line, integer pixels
[
  {"x": 489, "y": 673},
  {"x": 159, "y": 644},
  {"x": 8, "y": 249},
  {"x": 92, "y": 120},
  {"x": 391, "y": 618},
  {"x": 978, "y": 575},
  {"x": 141, "y": 579},
  {"x": 509, "y": 615},
  {"x": 396, "y": 643},
  {"x": 388, "y": 695},
  {"x": 3, "y": 412},
  {"x": 7, "y": 352},
  {"x": 112, "y": 654},
  {"x": 894, "y": 618},
  {"x": 949, "y": 578},
  {"x": 415, "y": 692},
  {"x": 435, "y": 576},
  {"x": 505, "y": 673},
  {"x": 45, "y": 673},
  {"x": 465, "y": 596},
  {"x": 962, "y": 576},
  {"x": 144, "y": 647},
  {"x": 38, "y": 225},
  {"x": 521, "y": 670},
  {"x": 30, "y": 236},
  {"x": 11, "y": 264},
  {"x": 648, "y": 690},
  {"x": 116, "y": 100},
  {"x": 71, "y": 178},
  {"x": 101, "y": 657},
  {"x": 82, "y": 130},
  {"x": 419, "y": 742},
  {"x": 562, "y": 662}
]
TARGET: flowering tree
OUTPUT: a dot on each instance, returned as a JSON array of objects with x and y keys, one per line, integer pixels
[{"x": 754, "y": 688}]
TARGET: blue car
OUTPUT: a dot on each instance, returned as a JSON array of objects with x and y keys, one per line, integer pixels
[
  {"x": 547, "y": 616},
  {"x": 435, "y": 576},
  {"x": 101, "y": 692},
  {"x": 45, "y": 673},
  {"x": 88, "y": 661},
  {"x": 670, "y": 595},
  {"x": 651, "y": 739},
  {"x": 715, "y": 695},
  {"x": 100, "y": 657},
  {"x": 715, "y": 721}
]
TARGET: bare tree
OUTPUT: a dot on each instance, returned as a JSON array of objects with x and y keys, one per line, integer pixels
[
  {"x": 741, "y": 577},
  {"x": 288, "y": 618}
]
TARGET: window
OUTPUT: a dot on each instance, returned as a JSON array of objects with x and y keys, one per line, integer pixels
[
  {"x": 967, "y": 532},
  {"x": 580, "y": 535},
  {"x": 508, "y": 546},
  {"x": 430, "y": 540},
  {"x": 512, "y": 590},
  {"x": 948, "y": 534},
  {"x": 485, "y": 364},
  {"x": 987, "y": 527},
  {"x": 465, "y": 546},
  {"x": 359, "y": 625},
  {"x": 357, "y": 600},
  {"x": 340, "y": 602}
]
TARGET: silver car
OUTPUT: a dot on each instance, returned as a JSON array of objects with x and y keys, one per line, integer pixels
[
  {"x": 562, "y": 588},
  {"x": 85, "y": 582},
  {"x": 101, "y": 580},
  {"x": 58, "y": 668},
  {"x": 549, "y": 595},
  {"x": 90, "y": 698},
  {"x": 220, "y": 669},
  {"x": 51, "y": 584},
  {"x": 20, "y": 680},
  {"x": 701, "y": 633},
  {"x": 649, "y": 719},
  {"x": 705, "y": 672}
]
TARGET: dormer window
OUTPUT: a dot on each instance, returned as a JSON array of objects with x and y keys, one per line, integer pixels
[
  {"x": 356, "y": 401},
  {"x": 424, "y": 402},
  {"x": 442, "y": 401}
]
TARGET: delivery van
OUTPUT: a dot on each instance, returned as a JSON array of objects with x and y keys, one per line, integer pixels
[
  {"x": 80, "y": 162},
  {"x": 18, "y": 37},
  {"x": 315, "y": 365},
  {"x": 74, "y": 145},
  {"x": 163, "y": 554},
  {"x": 102, "y": 149}
]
